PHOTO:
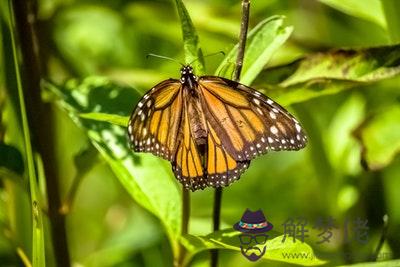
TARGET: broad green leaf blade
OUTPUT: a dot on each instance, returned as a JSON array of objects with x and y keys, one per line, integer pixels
[
  {"x": 146, "y": 178},
  {"x": 329, "y": 72},
  {"x": 276, "y": 249},
  {"x": 393, "y": 263},
  {"x": 191, "y": 47},
  {"x": 380, "y": 137},
  {"x": 110, "y": 118},
  {"x": 262, "y": 42},
  {"x": 391, "y": 10},
  {"x": 360, "y": 9}
]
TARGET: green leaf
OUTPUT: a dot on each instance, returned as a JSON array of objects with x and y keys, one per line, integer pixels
[
  {"x": 148, "y": 179},
  {"x": 360, "y": 9},
  {"x": 191, "y": 47},
  {"x": 380, "y": 137},
  {"x": 341, "y": 147},
  {"x": 110, "y": 118},
  {"x": 276, "y": 249},
  {"x": 393, "y": 263},
  {"x": 329, "y": 72},
  {"x": 391, "y": 9},
  {"x": 262, "y": 42}
]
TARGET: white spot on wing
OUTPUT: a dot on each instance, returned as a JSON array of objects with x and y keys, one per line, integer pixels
[{"x": 274, "y": 130}]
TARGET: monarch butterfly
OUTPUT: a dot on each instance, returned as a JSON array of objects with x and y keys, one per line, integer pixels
[{"x": 210, "y": 128}]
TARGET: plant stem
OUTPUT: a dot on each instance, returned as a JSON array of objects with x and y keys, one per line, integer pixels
[
  {"x": 185, "y": 224},
  {"x": 216, "y": 221},
  {"x": 185, "y": 211},
  {"x": 242, "y": 39},
  {"x": 244, "y": 25},
  {"x": 40, "y": 122}
]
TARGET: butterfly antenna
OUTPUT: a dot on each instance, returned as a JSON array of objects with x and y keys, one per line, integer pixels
[
  {"x": 164, "y": 57},
  {"x": 209, "y": 55}
]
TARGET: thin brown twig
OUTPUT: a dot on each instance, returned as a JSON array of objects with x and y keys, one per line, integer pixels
[
  {"x": 242, "y": 39},
  {"x": 185, "y": 224},
  {"x": 40, "y": 122}
]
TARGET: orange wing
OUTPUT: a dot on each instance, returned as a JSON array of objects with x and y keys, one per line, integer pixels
[
  {"x": 246, "y": 122},
  {"x": 155, "y": 122},
  {"x": 222, "y": 169},
  {"x": 187, "y": 166}
]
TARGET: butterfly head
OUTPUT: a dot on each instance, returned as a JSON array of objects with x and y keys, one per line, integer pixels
[{"x": 187, "y": 76}]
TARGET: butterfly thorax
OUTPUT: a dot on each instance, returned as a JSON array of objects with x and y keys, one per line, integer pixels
[{"x": 188, "y": 79}]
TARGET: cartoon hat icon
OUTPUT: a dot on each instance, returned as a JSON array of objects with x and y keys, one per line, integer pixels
[{"x": 253, "y": 222}]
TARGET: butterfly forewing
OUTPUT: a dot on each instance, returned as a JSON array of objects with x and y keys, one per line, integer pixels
[
  {"x": 154, "y": 124},
  {"x": 247, "y": 122}
]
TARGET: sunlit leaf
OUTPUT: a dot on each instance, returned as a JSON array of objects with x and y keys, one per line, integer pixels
[
  {"x": 110, "y": 118},
  {"x": 191, "y": 47},
  {"x": 262, "y": 42},
  {"x": 391, "y": 11},
  {"x": 276, "y": 249},
  {"x": 360, "y": 9},
  {"x": 393, "y": 263},
  {"x": 329, "y": 72}
]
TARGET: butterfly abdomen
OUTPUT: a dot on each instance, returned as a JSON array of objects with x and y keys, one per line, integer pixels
[{"x": 198, "y": 127}]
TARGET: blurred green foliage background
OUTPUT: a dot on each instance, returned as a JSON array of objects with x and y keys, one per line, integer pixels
[{"x": 93, "y": 56}]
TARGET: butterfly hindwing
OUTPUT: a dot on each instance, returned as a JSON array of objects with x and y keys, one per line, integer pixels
[
  {"x": 221, "y": 168},
  {"x": 187, "y": 164},
  {"x": 154, "y": 124},
  {"x": 247, "y": 122}
]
